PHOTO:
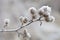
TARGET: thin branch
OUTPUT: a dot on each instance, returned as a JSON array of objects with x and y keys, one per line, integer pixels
[{"x": 16, "y": 30}]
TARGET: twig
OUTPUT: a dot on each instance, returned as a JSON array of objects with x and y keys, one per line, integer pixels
[{"x": 21, "y": 26}]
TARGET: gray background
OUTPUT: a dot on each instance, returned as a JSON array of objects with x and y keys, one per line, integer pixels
[{"x": 13, "y": 9}]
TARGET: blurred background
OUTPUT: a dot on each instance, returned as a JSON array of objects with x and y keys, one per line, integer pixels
[{"x": 13, "y": 9}]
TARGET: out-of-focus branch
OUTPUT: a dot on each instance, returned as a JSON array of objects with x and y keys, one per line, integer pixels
[
  {"x": 16, "y": 30},
  {"x": 44, "y": 15},
  {"x": 42, "y": 12}
]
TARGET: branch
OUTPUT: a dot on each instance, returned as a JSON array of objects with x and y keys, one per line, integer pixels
[{"x": 16, "y": 30}]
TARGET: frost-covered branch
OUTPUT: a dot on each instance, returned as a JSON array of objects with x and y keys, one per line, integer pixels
[
  {"x": 43, "y": 13},
  {"x": 15, "y": 30}
]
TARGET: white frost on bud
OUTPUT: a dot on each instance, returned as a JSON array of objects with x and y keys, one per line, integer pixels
[
  {"x": 50, "y": 19},
  {"x": 6, "y": 22},
  {"x": 27, "y": 34},
  {"x": 32, "y": 10},
  {"x": 46, "y": 15},
  {"x": 45, "y": 10},
  {"x": 23, "y": 20}
]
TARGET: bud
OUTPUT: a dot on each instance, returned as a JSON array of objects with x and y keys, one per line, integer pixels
[
  {"x": 32, "y": 10},
  {"x": 23, "y": 19},
  {"x": 27, "y": 34},
  {"x": 20, "y": 18},
  {"x": 33, "y": 17},
  {"x": 44, "y": 10},
  {"x": 46, "y": 15},
  {"x": 6, "y": 22},
  {"x": 41, "y": 12},
  {"x": 50, "y": 19}
]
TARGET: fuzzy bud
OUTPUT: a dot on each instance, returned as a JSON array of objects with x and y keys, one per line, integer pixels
[
  {"x": 6, "y": 22},
  {"x": 33, "y": 12},
  {"x": 46, "y": 15},
  {"x": 27, "y": 34},
  {"x": 33, "y": 17},
  {"x": 45, "y": 10},
  {"x": 23, "y": 19},
  {"x": 50, "y": 19}
]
